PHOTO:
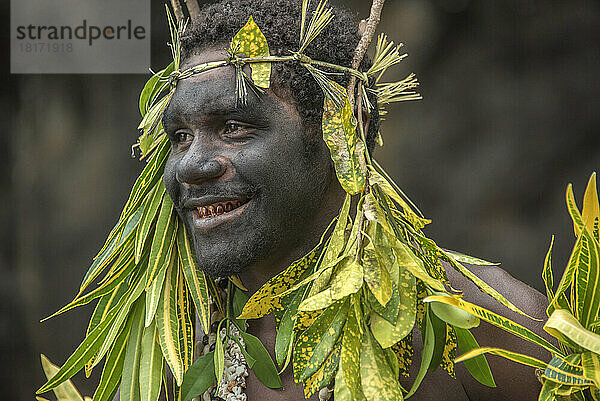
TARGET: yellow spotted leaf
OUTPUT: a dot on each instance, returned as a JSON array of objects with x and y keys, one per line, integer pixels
[
  {"x": 334, "y": 247},
  {"x": 404, "y": 353},
  {"x": 377, "y": 377},
  {"x": 309, "y": 340},
  {"x": 388, "y": 334},
  {"x": 346, "y": 148},
  {"x": 251, "y": 42},
  {"x": 449, "y": 354},
  {"x": 263, "y": 301},
  {"x": 325, "y": 374},
  {"x": 377, "y": 276},
  {"x": 348, "y": 279},
  {"x": 350, "y": 357}
]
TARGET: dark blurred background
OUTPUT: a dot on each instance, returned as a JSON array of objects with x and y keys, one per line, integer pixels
[{"x": 509, "y": 117}]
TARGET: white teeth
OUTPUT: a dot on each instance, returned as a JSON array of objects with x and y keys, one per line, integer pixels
[{"x": 218, "y": 208}]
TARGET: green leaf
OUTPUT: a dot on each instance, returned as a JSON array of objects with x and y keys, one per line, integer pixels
[
  {"x": 199, "y": 377},
  {"x": 588, "y": 279},
  {"x": 591, "y": 367},
  {"x": 377, "y": 276},
  {"x": 452, "y": 314},
  {"x": 350, "y": 358},
  {"x": 219, "y": 357},
  {"x": 65, "y": 391},
  {"x": 84, "y": 352},
  {"x": 426, "y": 355},
  {"x": 105, "y": 288},
  {"x": 388, "y": 334},
  {"x": 591, "y": 208},
  {"x": 195, "y": 278},
  {"x": 150, "y": 210},
  {"x": 560, "y": 300},
  {"x": 341, "y": 390},
  {"x": 347, "y": 280},
  {"x": 168, "y": 324},
  {"x": 407, "y": 259},
  {"x": 307, "y": 341},
  {"x": 154, "y": 292},
  {"x": 250, "y": 41},
  {"x": 547, "y": 275},
  {"x": 346, "y": 148},
  {"x": 152, "y": 86},
  {"x": 283, "y": 340},
  {"x": 335, "y": 246},
  {"x": 381, "y": 180},
  {"x": 164, "y": 239},
  {"x": 263, "y": 368},
  {"x": 497, "y": 320},
  {"x": 390, "y": 311},
  {"x": 130, "y": 381},
  {"x": 562, "y": 323},
  {"x": 186, "y": 317},
  {"x": 566, "y": 371},
  {"x": 477, "y": 365},
  {"x": 404, "y": 353},
  {"x": 548, "y": 391},
  {"x": 137, "y": 287},
  {"x": 513, "y": 356},
  {"x": 439, "y": 330},
  {"x": 237, "y": 305},
  {"x": 151, "y": 365},
  {"x": 595, "y": 392},
  {"x": 327, "y": 337},
  {"x": 323, "y": 376},
  {"x": 105, "y": 303},
  {"x": 461, "y": 258},
  {"x": 113, "y": 367},
  {"x": 111, "y": 249},
  {"x": 482, "y": 285},
  {"x": 378, "y": 380}
]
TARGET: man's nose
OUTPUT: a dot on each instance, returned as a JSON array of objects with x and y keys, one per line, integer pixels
[{"x": 194, "y": 169}]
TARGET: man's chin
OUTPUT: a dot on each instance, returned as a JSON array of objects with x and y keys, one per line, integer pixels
[{"x": 224, "y": 259}]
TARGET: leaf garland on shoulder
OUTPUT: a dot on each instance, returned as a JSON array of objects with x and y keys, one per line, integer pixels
[{"x": 346, "y": 310}]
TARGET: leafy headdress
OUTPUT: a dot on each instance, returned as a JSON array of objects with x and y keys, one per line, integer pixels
[{"x": 344, "y": 312}]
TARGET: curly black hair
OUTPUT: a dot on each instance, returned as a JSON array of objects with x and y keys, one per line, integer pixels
[{"x": 279, "y": 20}]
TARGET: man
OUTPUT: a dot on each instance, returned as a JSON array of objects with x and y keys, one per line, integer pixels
[{"x": 256, "y": 187}]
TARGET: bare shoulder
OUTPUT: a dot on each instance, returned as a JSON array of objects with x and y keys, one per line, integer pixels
[{"x": 513, "y": 381}]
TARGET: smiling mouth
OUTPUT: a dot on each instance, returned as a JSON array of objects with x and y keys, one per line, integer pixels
[{"x": 219, "y": 208}]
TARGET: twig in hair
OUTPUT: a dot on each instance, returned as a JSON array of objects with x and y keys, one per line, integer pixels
[
  {"x": 177, "y": 10},
  {"x": 193, "y": 8},
  {"x": 363, "y": 44}
]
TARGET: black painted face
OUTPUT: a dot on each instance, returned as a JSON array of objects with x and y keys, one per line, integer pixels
[{"x": 245, "y": 179}]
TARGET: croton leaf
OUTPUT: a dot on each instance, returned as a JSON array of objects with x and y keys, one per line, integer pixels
[
  {"x": 350, "y": 358},
  {"x": 388, "y": 334},
  {"x": 308, "y": 341},
  {"x": 562, "y": 323},
  {"x": 497, "y": 320},
  {"x": 263, "y": 301},
  {"x": 251, "y": 42},
  {"x": 346, "y": 148},
  {"x": 378, "y": 380},
  {"x": 66, "y": 390},
  {"x": 566, "y": 370}
]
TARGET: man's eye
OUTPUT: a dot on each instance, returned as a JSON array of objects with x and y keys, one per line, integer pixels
[
  {"x": 234, "y": 130},
  {"x": 180, "y": 137}
]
